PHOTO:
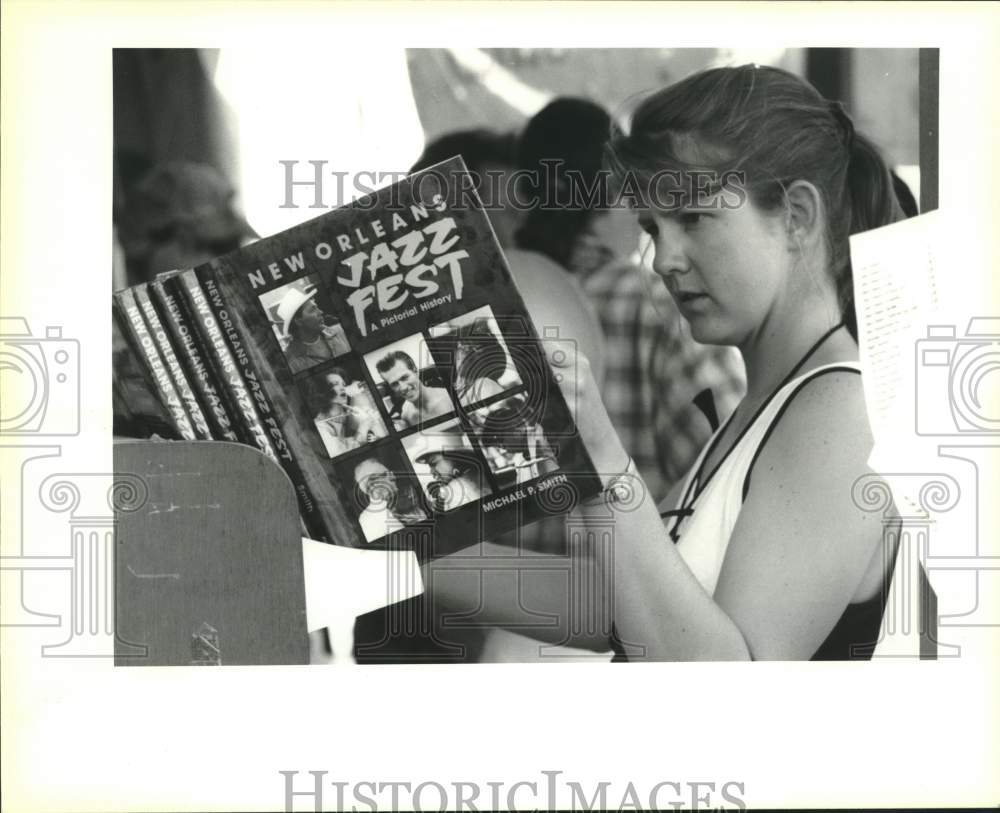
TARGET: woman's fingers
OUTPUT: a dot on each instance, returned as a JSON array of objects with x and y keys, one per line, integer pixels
[{"x": 572, "y": 372}]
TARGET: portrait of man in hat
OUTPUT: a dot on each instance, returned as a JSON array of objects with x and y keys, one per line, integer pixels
[{"x": 310, "y": 339}]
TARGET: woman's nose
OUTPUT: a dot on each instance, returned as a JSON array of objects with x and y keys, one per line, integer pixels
[{"x": 670, "y": 255}]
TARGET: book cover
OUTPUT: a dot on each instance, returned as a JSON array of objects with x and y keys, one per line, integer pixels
[
  {"x": 402, "y": 368},
  {"x": 137, "y": 409},
  {"x": 165, "y": 345},
  {"x": 136, "y": 332},
  {"x": 184, "y": 336},
  {"x": 228, "y": 379}
]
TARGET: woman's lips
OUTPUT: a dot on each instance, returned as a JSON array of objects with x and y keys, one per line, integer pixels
[
  {"x": 685, "y": 299},
  {"x": 689, "y": 299}
]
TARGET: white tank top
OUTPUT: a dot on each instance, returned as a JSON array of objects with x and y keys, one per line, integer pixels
[{"x": 705, "y": 534}]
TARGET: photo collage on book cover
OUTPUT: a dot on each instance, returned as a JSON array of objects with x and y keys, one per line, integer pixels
[{"x": 425, "y": 424}]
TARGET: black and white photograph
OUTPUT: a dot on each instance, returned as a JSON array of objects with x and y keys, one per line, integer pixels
[
  {"x": 345, "y": 410},
  {"x": 514, "y": 446},
  {"x": 413, "y": 389},
  {"x": 679, "y": 225},
  {"x": 303, "y": 322},
  {"x": 448, "y": 468},
  {"x": 473, "y": 353},
  {"x": 666, "y": 409},
  {"x": 387, "y": 497}
]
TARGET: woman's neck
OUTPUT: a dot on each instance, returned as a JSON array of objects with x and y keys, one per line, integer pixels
[{"x": 782, "y": 342}]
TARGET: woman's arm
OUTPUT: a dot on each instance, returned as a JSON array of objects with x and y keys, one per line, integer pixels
[
  {"x": 797, "y": 555},
  {"x": 800, "y": 540},
  {"x": 556, "y": 598}
]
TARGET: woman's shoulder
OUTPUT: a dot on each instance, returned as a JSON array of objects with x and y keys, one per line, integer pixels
[{"x": 823, "y": 421}]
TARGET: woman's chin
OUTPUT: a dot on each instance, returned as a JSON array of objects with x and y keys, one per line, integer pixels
[{"x": 709, "y": 331}]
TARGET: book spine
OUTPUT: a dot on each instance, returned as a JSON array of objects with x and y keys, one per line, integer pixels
[
  {"x": 178, "y": 376},
  {"x": 137, "y": 332},
  {"x": 175, "y": 316},
  {"x": 228, "y": 376},
  {"x": 236, "y": 334}
]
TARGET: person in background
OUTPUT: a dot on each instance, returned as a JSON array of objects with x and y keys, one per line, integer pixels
[
  {"x": 490, "y": 158},
  {"x": 180, "y": 214},
  {"x": 552, "y": 298},
  {"x": 567, "y": 134}
]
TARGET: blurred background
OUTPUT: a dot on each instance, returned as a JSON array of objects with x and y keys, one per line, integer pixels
[{"x": 199, "y": 134}]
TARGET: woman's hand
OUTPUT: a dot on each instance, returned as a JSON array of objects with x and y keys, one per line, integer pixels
[{"x": 576, "y": 380}]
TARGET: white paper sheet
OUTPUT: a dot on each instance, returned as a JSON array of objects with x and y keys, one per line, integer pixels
[{"x": 342, "y": 583}]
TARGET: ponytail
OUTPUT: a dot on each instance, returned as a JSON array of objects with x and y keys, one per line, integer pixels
[{"x": 870, "y": 202}]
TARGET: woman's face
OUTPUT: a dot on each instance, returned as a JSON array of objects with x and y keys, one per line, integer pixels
[
  {"x": 337, "y": 388},
  {"x": 726, "y": 268}
]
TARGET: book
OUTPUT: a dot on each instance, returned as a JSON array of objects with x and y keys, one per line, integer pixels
[
  {"x": 389, "y": 352},
  {"x": 381, "y": 354},
  {"x": 228, "y": 379},
  {"x": 192, "y": 409},
  {"x": 166, "y": 293},
  {"x": 136, "y": 332},
  {"x": 137, "y": 409}
]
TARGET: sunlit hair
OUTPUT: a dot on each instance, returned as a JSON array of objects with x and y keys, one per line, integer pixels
[{"x": 774, "y": 128}]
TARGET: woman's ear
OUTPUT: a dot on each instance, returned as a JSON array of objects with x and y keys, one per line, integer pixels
[{"x": 805, "y": 213}]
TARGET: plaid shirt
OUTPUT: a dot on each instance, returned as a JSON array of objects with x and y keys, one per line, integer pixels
[{"x": 653, "y": 371}]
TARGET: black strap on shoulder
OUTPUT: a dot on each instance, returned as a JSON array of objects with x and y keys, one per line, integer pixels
[
  {"x": 705, "y": 401},
  {"x": 781, "y": 411}
]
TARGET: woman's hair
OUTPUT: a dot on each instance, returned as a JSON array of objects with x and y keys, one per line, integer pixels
[
  {"x": 774, "y": 128},
  {"x": 336, "y": 371},
  {"x": 573, "y": 133},
  {"x": 319, "y": 391}
]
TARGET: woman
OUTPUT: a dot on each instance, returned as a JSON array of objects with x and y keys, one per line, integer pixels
[
  {"x": 346, "y": 416},
  {"x": 762, "y": 553}
]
